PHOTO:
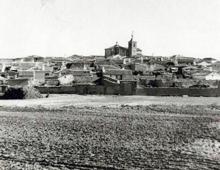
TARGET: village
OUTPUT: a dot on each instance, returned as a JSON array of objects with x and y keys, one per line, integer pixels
[{"x": 121, "y": 71}]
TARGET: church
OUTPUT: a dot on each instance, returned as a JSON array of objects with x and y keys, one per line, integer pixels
[{"x": 131, "y": 51}]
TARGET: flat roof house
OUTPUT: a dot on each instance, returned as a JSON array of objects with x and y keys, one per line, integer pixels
[
  {"x": 119, "y": 74},
  {"x": 213, "y": 76}
]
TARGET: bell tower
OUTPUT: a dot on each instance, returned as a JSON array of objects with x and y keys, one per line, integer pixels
[{"x": 132, "y": 47}]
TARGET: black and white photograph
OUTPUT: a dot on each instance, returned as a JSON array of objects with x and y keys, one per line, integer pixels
[{"x": 109, "y": 84}]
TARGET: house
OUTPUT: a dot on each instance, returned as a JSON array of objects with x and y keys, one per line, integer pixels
[
  {"x": 38, "y": 78},
  {"x": 109, "y": 67},
  {"x": 203, "y": 63},
  {"x": 139, "y": 51},
  {"x": 111, "y": 62},
  {"x": 209, "y": 60},
  {"x": 2, "y": 67},
  {"x": 39, "y": 75},
  {"x": 116, "y": 57},
  {"x": 33, "y": 58},
  {"x": 127, "y": 60},
  {"x": 66, "y": 79},
  {"x": 147, "y": 67},
  {"x": 11, "y": 74},
  {"x": 79, "y": 76},
  {"x": 24, "y": 65},
  {"x": 3, "y": 89},
  {"x": 117, "y": 61},
  {"x": 119, "y": 74},
  {"x": 182, "y": 60},
  {"x": 190, "y": 69},
  {"x": 213, "y": 76},
  {"x": 2, "y": 80},
  {"x": 58, "y": 62},
  {"x": 80, "y": 64},
  {"x": 200, "y": 75},
  {"x": 102, "y": 62},
  {"x": 17, "y": 60},
  {"x": 215, "y": 66},
  {"x": 26, "y": 74},
  {"x": 18, "y": 82},
  {"x": 36, "y": 74},
  {"x": 47, "y": 69},
  {"x": 52, "y": 82},
  {"x": 6, "y": 60},
  {"x": 73, "y": 72}
]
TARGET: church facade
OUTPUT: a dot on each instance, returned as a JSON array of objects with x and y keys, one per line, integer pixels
[{"x": 131, "y": 51}]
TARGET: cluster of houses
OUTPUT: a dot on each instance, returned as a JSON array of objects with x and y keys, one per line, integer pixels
[{"x": 118, "y": 64}]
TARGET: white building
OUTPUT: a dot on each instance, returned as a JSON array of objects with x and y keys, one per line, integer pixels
[
  {"x": 213, "y": 76},
  {"x": 204, "y": 64}
]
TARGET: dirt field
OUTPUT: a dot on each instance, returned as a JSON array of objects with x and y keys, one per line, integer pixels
[
  {"x": 124, "y": 137},
  {"x": 96, "y": 101}
]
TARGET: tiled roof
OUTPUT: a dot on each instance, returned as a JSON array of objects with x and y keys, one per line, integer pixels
[
  {"x": 202, "y": 73},
  {"x": 216, "y": 63},
  {"x": 75, "y": 72},
  {"x": 116, "y": 46},
  {"x": 107, "y": 67},
  {"x": 102, "y": 62},
  {"x": 117, "y": 72}
]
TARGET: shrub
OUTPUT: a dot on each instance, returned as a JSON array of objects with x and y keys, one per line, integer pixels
[{"x": 21, "y": 93}]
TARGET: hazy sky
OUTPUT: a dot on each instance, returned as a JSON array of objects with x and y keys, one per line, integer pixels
[{"x": 66, "y": 27}]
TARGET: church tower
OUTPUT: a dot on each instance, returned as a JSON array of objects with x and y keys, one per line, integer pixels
[{"x": 132, "y": 47}]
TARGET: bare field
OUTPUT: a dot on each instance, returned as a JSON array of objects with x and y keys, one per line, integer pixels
[
  {"x": 124, "y": 137},
  {"x": 100, "y": 100}
]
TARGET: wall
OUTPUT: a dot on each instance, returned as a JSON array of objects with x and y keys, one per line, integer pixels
[
  {"x": 56, "y": 89},
  {"x": 116, "y": 50},
  {"x": 147, "y": 67},
  {"x": 26, "y": 74},
  {"x": 163, "y": 91},
  {"x": 79, "y": 89},
  {"x": 39, "y": 75},
  {"x": 3, "y": 88},
  {"x": 18, "y": 82},
  {"x": 83, "y": 89},
  {"x": 129, "y": 88},
  {"x": 83, "y": 79},
  {"x": 108, "y": 52}
]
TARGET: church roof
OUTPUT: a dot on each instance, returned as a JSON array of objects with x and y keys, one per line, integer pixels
[{"x": 116, "y": 45}]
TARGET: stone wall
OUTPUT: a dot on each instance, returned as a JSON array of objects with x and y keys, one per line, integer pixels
[
  {"x": 18, "y": 82},
  {"x": 172, "y": 91},
  {"x": 130, "y": 88},
  {"x": 114, "y": 89}
]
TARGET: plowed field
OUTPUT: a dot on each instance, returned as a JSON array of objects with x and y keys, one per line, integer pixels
[{"x": 125, "y": 137}]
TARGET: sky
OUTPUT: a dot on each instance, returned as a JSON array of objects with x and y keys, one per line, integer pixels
[{"x": 87, "y": 27}]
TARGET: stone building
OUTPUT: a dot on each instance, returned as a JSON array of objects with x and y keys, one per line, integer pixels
[
  {"x": 131, "y": 51},
  {"x": 116, "y": 50},
  {"x": 132, "y": 48}
]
